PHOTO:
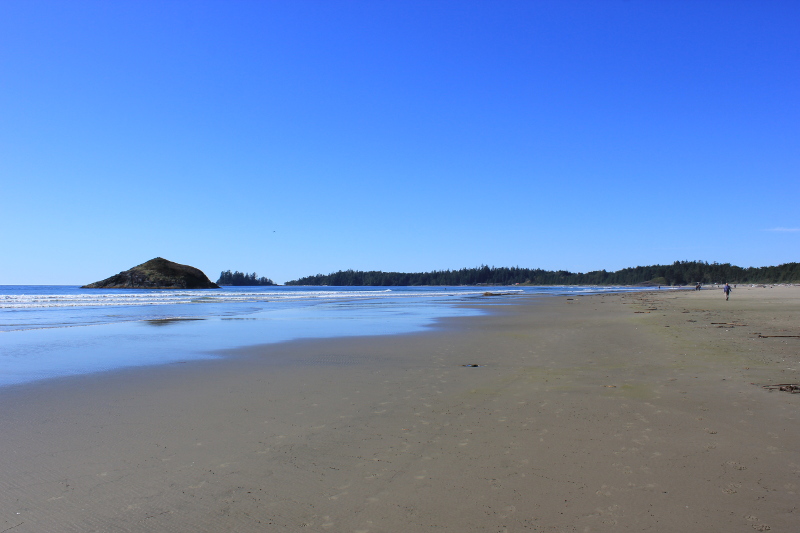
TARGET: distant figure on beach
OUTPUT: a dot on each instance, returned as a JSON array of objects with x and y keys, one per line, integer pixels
[
  {"x": 727, "y": 290},
  {"x": 697, "y": 286}
]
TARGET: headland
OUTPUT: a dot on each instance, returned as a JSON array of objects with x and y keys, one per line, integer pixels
[{"x": 157, "y": 273}]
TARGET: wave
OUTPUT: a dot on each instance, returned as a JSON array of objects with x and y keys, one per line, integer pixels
[{"x": 39, "y": 301}]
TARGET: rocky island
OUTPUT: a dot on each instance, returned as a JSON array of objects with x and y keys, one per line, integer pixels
[{"x": 157, "y": 273}]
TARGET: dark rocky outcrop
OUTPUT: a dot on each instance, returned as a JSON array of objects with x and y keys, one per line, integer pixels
[{"x": 157, "y": 273}]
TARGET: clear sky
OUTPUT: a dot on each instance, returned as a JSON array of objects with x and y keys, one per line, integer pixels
[{"x": 300, "y": 137}]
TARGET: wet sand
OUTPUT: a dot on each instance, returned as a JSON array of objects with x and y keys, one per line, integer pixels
[{"x": 638, "y": 412}]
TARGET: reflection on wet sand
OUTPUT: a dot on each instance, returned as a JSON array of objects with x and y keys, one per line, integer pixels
[{"x": 168, "y": 321}]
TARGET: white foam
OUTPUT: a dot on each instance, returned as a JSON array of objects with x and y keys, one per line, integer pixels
[{"x": 91, "y": 299}]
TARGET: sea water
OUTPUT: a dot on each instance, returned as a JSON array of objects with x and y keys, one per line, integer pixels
[{"x": 56, "y": 331}]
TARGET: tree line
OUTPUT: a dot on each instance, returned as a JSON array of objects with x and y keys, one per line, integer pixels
[
  {"x": 678, "y": 273},
  {"x": 241, "y": 279}
]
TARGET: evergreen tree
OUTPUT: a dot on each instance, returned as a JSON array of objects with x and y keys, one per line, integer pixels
[{"x": 241, "y": 279}]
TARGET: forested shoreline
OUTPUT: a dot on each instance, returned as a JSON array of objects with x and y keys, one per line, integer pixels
[
  {"x": 678, "y": 273},
  {"x": 241, "y": 279}
]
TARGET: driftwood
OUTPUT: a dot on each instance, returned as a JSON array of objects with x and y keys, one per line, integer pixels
[
  {"x": 786, "y": 387},
  {"x": 778, "y": 336}
]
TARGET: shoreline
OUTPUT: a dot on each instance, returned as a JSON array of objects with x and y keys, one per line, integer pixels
[
  {"x": 629, "y": 411},
  {"x": 43, "y": 343}
]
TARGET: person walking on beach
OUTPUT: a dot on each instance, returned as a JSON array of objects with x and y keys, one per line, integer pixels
[{"x": 727, "y": 290}]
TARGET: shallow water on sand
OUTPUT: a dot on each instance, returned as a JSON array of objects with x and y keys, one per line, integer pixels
[{"x": 55, "y": 331}]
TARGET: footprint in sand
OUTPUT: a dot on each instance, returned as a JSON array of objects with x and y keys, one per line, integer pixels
[
  {"x": 604, "y": 491},
  {"x": 608, "y": 515},
  {"x": 736, "y": 466},
  {"x": 731, "y": 488}
]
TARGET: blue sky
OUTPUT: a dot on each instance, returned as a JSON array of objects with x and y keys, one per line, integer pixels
[{"x": 294, "y": 138}]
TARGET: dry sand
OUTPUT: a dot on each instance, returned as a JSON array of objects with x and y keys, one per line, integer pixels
[{"x": 641, "y": 412}]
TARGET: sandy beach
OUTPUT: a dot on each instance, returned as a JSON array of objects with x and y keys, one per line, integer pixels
[{"x": 636, "y": 412}]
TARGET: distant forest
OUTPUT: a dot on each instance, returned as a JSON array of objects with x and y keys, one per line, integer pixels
[
  {"x": 241, "y": 279},
  {"x": 678, "y": 273}
]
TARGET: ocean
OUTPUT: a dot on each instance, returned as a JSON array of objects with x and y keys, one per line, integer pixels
[{"x": 56, "y": 331}]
